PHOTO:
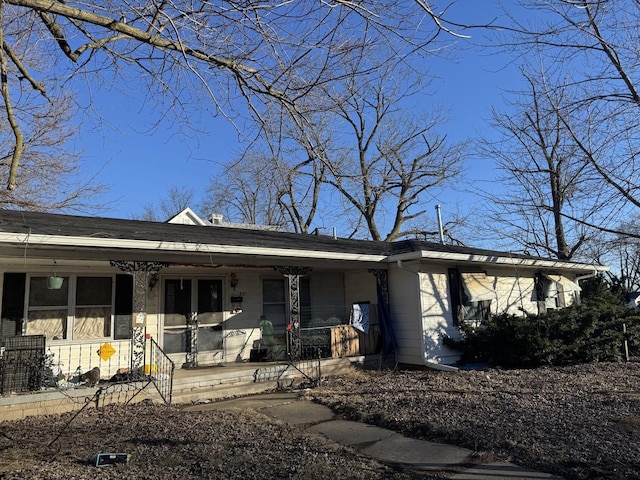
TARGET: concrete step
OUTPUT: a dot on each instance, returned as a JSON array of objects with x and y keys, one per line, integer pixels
[{"x": 232, "y": 380}]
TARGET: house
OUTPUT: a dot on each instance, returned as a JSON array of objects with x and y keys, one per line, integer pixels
[{"x": 98, "y": 290}]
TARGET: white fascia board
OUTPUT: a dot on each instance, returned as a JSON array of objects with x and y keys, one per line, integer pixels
[
  {"x": 496, "y": 260},
  {"x": 179, "y": 247}
]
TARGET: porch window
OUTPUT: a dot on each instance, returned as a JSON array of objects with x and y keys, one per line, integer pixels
[
  {"x": 471, "y": 296},
  {"x": 275, "y": 301},
  {"x": 48, "y": 309},
  {"x": 82, "y": 309},
  {"x": 274, "y": 304},
  {"x": 93, "y": 308}
]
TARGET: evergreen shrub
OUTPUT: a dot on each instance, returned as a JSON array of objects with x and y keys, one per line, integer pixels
[{"x": 589, "y": 332}]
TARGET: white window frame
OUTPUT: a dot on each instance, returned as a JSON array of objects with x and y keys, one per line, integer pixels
[{"x": 71, "y": 305}]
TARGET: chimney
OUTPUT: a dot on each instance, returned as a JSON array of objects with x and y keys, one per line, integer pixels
[{"x": 216, "y": 219}]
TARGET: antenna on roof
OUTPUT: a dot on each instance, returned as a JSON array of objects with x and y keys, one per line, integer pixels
[{"x": 440, "y": 225}]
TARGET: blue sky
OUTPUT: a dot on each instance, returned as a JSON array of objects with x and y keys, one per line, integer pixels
[{"x": 140, "y": 166}]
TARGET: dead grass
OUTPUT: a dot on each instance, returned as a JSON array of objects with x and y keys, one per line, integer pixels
[{"x": 579, "y": 422}]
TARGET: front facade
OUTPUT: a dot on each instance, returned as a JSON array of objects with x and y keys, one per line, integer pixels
[{"x": 99, "y": 289}]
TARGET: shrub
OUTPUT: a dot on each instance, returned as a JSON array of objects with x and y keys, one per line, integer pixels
[{"x": 590, "y": 332}]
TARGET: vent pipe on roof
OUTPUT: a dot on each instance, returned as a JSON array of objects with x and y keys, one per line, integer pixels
[{"x": 440, "y": 225}]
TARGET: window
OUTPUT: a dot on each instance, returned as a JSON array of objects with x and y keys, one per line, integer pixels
[
  {"x": 82, "y": 309},
  {"x": 552, "y": 291},
  {"x": 93, "y": 308},
  {"x": 123, "y": 307},
  {"x": 48, "y": 309},
  {"x": 12, "y": 304},
  {"x": 274, "y": 305},
  {"x": 471, "y": 296}
]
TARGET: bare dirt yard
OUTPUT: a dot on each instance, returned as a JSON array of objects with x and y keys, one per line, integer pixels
[{"x": 580, "y": 422}]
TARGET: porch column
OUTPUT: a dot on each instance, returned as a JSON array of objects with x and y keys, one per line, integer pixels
[
  {"x": 389, "y": 342},
  {"x": 382, "y": 279},
  {"x": 293, "y": 274},
  {"x": 141, "y": 272}
]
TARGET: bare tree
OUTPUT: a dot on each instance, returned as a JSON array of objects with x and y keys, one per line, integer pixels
[
  {"x": 380, "y": 159},
  {"x": 247, "y": 192},
  {"x": 51, "y": 179},
  {"x": 230, "y": 50},
  {"x": 545, "y": 182},
  {"x": 594, "y": 43},
  {"x": 175, "y": 201}
]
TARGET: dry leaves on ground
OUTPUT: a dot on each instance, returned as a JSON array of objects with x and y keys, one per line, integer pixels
[{"x": 580, "y": 422}]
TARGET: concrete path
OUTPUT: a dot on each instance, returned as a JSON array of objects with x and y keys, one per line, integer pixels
[{"x": 384, "y": 445}]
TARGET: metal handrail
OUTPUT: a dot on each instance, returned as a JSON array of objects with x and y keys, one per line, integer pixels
[{"x": 160, "y": 371}]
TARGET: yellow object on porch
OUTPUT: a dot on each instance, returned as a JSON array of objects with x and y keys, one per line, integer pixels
[
  {"x": 106, "y": 351},
  {"x": 150, "y": 369}
]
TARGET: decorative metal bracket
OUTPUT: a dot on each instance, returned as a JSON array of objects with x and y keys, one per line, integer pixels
[{"x": 192, "y": 354}]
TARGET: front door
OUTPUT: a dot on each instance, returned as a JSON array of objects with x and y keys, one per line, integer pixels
[{"x": 193, "y": 318}]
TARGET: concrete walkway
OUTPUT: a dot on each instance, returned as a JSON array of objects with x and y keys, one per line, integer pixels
[{"x": 384, "y": 445}]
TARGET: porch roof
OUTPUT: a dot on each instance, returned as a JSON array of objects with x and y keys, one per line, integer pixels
[
  {"x": 97, "y": 238},
  {"x": 406, "y": 250}
]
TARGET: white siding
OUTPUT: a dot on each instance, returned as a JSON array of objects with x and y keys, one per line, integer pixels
[
  {"x": 406, "y": 314},
  {"x": 515, "y": 292},
  {"x": 437, "y": 318},
  {"x": 360, "y": 286}
]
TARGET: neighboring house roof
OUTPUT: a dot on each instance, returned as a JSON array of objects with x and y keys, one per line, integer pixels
[
  {"x": 188, "y": 217},
  {"x": 143, "y": 240}
]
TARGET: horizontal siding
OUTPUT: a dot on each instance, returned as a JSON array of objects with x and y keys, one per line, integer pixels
[
  {"x": 406, "y": 314},
  {"x": 437, "y": 318}
]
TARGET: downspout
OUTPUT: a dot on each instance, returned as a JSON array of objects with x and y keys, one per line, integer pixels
[{"x": 432, "y": 365}]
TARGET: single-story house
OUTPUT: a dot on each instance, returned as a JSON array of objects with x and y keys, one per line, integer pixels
[{"x": 97, "y": 290}]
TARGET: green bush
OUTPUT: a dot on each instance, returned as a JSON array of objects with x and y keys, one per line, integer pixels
[{"x": 590, "y": 332}]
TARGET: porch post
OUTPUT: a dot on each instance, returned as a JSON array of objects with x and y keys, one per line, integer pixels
[
  {"x": 140, "y": 272},
  {"x": 294, "y": 340},
  {"x": 382, "y": 279}
]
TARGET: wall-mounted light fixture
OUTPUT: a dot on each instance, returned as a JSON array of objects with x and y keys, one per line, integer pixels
[
  {"x": 153, "y": 279},
  {"x": 234, "y": 281}
]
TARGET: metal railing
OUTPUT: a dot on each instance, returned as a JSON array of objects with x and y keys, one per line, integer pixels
[
  {"x": 160, "y": 370},
  {"x": 65, "y": 363},
  {"x": 22, "y": 361}
]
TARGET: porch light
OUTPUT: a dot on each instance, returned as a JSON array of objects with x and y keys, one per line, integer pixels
[
  {"x": 234, "y": 281},
  {"x": 54, "y": 282}
]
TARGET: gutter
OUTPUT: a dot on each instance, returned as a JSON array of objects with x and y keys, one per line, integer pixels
[
  {"x": 31, "y": 240},
  {"x": 492, "y": 259},
  {"x": 588, "y": 275}
]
